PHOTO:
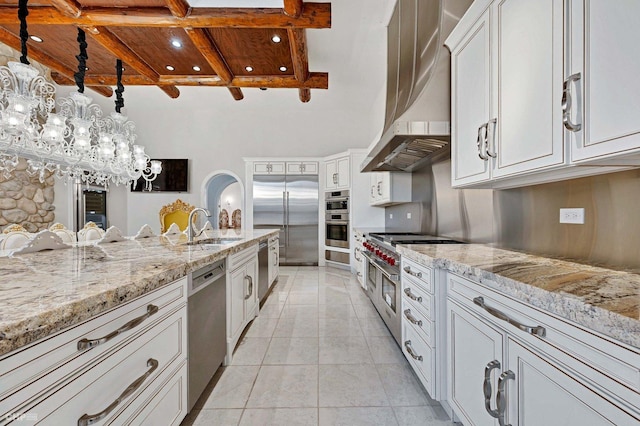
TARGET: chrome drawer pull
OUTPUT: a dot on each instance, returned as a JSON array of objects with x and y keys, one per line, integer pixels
[
  {"x": 408, "y": 270},
  {"x": 566, "y": 104},
  {"x": 248, "y": 277},
  {"x": 534, "y": 330},
  {"x": 88, "y": 344},
  {"x": 486, "y": 387},
  {"x": 407, "y": 345},
  {"x": 89, "y": 419},
  {"x": 500, "y": 398},
  {"x": 411, "y": 318},
  {"x": 412, "y": 296}
]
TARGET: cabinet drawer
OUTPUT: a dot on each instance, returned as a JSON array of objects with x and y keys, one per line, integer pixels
[
  {"x": 137, "y": 364},
  {"x": 241, "y": 257},
  {"x": 423, "y": 358},
  {"x": 418, "y": 273},
  {"x": 417, "y": 295},
  {"x": 420, "y": 323},
  {"x": 599, "y": 361},
  {"x": 29, "y": 371}
]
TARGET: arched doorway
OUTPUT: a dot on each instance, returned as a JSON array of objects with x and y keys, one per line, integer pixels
[{"x": 222, "y": 189}]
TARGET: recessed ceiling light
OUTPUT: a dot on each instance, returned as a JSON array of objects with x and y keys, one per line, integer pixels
[
  {"x": 176, "y": 43},
  {"x": 36, "y": 39},
  {"x": 196, "y": 68},
  {"x": 249, "y": 69},
  {"x": 276, "y": 39},
  {"x": 283, "y": 69},
  {"x": 170, "y": 68},
  {"x": 86, "y": 68}
]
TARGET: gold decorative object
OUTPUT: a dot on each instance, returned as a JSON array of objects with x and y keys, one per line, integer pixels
[
  {"x": 57, "y": 227},
  {"x": 14, "y": 228},
  {"x": 176, "y": 212}
]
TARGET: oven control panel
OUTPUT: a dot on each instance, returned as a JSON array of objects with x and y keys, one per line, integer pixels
[{"x": 382, "y": 253}]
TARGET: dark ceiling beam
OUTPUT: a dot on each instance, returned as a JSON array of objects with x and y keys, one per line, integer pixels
[
  {"x": 314, "y": 15},
  {"x": 113, "y": 44},
  {"x": 178, "y": 8},
  {"x": 53, "y": 64},
  {"x": 236, "y": 93},
  {"x": 293, "y": 7},
  {"x": 70, "y": 8},
  {"x": 316, "y": 80},
  {"x": 305, "y": 95},
  {"x": 300, "y": 58}
]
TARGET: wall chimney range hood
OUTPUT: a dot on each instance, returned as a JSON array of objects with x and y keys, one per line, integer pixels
[{"x": 418, "y": 91}]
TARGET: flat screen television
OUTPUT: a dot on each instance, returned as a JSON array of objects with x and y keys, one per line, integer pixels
[{"x": 173, "y": 178}]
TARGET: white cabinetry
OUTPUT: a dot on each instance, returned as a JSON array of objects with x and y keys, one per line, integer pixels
[
  {"x": 115, "y": 367},
  {"x": 604, "y": 56},
  {"x": 512, "y": 364},
  {"x": 337, "y": 173},
  {"x": 242, "y": 295},
  {"x": 389, "y": 188},
  {"x": 274, "y": 259},
  {"x": 269, "y": 168},
  {"x": 302, "y": 167}
]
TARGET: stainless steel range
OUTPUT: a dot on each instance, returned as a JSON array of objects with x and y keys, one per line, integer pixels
[{"x": 382, "y": 272}]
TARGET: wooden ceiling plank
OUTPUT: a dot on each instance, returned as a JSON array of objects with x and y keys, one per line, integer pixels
[
  {"x": 179, "y": 8},
  {"x": 211, "y": 53},
  {"x": 70, "y": 8},
  {"x": 305, "y": 95},
  {"x": 236, "y": 92},
  {"x": 172, "y": 91},
  {"x": 293, "y": 7},
  {"x": 37, "y": 55},
  {"x": 314, "y": 15},
  {"x": 299, "y": 53},
  {"x": 316, "y": 80}
]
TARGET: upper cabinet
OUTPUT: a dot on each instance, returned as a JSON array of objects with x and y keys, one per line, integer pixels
[
  {"x": 268, "y": 168},
  {"x": 302, "y": 168},
  {"x": 285, "y": 167},
  {"x": 518, "y": 97},
  {"x": 603, "y": 114},
  {"x": 389, "y": 188},
  {"x": 337, "y": 173}
]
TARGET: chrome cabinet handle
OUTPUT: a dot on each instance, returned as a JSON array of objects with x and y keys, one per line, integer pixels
[
  {"x": 408, "y": 270},
  {"x": 501, "y": 401},
  {"x": 493, "y": 154},
  {"x": 335, "y": 178},
  {"x": 302, "y": 168},
  {"x": 411, "y": 318},
  {"x": 412, "y": 296},
  {"x": 359, "y": 274},
  {"x": 486, "y": 387},
  {"x": 480, "y": 142},
  {"x": 275, "y": 259},
  {"x": 89, "y": 419},
  {"x": 566, "y": 104},
  {"x": 379, "y": 191},
  {"x": 534, "y": 330},
  {"x": 407, "y": 345},
  {"x": 250, "y": 279},
  {"x": 88, "y": 344}
]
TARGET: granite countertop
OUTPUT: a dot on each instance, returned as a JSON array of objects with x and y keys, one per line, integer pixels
[
  {"x": 600, "y": 299},
  {"x": 42, "y": 293}
]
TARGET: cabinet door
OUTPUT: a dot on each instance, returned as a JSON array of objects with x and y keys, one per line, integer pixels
[
  {"x": 294, "y": 168},
  {"x": 238, "y": 287},
  {"x": 527, "y": 70},
  {"x": 541, "y": 394},
  {"x": 274, "y": 261},
  {"x": 472, "y": 346},
  {"x": 251, "y": 288},
  {"x": 470, "y": 98},
  {"x": 331, "y": 174},
  {"x": 384, "y": 186},
  {"x": 373, "y": 183},
  {"x": 604, "y": 48},
  {"x": 268, "y": 168},
  {"x": 344, "y": 172},
  {"x": 309, "y": 167}
]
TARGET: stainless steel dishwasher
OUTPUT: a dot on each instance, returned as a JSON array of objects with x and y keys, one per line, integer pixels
[
  {"x": 207, "y": 322},
  {"x": 263, "y": 270}
]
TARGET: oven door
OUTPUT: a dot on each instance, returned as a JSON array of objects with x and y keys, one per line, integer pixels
[
  {"x": 337, "y": 206},
  {"x": 371, "y": 273},
  {"x": 337, "y": 233}
]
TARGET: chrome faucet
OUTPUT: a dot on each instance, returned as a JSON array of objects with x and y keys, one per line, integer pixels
[{"x": 190, "y": 231}]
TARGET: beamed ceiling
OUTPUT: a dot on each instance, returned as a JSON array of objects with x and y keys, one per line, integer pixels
[{"x": 220, "y": 42}]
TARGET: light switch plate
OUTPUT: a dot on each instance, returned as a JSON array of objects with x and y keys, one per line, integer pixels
[
  {"x": 390, "y": 215},
  {"x": 575, "y": 216},
  {"x": 408, "y": 215}
]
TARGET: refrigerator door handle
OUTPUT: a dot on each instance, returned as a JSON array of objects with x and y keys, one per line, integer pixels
[{"x": 287, "y": 222}]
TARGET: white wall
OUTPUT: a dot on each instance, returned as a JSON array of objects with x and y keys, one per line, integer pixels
[{"x": 214, "y": 131}]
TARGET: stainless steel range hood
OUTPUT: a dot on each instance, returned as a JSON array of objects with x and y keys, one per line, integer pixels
[{"x": 418, "y": 90}]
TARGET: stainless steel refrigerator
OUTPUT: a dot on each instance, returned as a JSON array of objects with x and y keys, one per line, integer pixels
[{"x": 289, "y": 203}]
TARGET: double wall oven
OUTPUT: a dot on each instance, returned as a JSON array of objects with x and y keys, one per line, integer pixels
[
  {"x": 337, "y": 225},
  {"x": 382, "y": 272}
]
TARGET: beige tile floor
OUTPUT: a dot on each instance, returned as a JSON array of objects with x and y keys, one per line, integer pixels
[{"x": 318, "y": 354}]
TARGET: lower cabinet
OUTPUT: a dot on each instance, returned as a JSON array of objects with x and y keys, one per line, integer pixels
[
  {"x": 274, "y": 260},
  {"x": 242, "y": 295},
  {"x": 510, "y": 365}
]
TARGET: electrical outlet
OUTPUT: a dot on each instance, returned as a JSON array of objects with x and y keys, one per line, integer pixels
[
  {"x": 575, "y": 216},
  {"x": 390, "y": 215},
  {"x": 408, "y": 215}
]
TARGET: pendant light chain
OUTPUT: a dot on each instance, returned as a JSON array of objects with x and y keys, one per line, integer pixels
[
  {"x": 120, "y": 89},
  {"x": 24, "y": 34},
  {"x": 82, "y": 60}
]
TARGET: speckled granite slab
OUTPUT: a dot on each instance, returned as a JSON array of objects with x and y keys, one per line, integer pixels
[
  {"x": 600, "y": 299},
  {"x": 42, "y": 293}
]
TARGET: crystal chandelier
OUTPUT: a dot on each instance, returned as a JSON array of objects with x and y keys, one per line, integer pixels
[{"x": 76, "y": 141}]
